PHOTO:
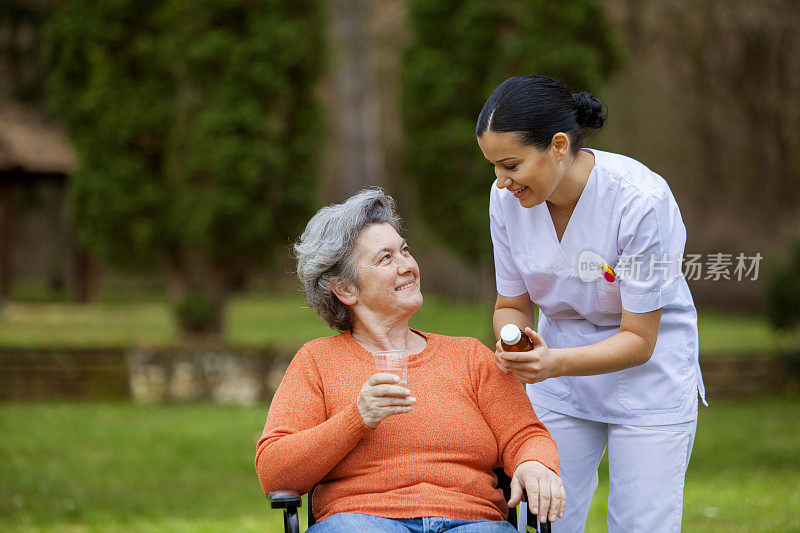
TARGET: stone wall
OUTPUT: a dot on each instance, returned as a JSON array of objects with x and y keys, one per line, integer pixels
[
  {"x": 63, "y": 373},
  {"x": 229, "y": 375},
  {"x": 246, "y": 376},
  {"x": 757, "y": 373},
  {"x": 242, "y": 377}
]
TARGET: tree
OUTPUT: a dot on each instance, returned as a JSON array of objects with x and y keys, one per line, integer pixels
[
  {"x": 782, "y": 289},
  {"x": 20, "y": 65},
  {"x": 197, "y": 130},
  {"x": 458, "y": 53},
  {"x": 745, "y": 80}
]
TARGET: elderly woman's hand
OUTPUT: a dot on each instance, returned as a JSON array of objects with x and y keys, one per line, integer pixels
[
  {"x": 534, "y": 366},
  {"x": 381, "y": 397},
  {"x": 545, "y": 491}
]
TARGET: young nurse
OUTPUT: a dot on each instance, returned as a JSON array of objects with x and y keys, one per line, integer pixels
[{"x": 595, "y": 240}]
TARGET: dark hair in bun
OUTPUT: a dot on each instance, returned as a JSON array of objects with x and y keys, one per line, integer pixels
[
  {"x": 538, "y": 107},
  {"x": 589, "y": 111}
]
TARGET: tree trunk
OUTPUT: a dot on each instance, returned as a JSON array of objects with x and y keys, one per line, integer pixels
[
  {"x": 8, "y": 182},
  {"x": 87, "y": 275},
  {"x": 199, "y": 291},
  {"x": 357, "y": 149}
]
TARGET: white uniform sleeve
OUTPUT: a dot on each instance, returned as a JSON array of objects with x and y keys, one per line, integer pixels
[
  {"x": 652, "y": 239},
  {"x": 507, "y": 276}
]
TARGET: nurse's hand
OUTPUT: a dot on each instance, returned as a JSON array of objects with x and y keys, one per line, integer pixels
[
  {"x": 544, "y": 490},
  {"x": 534, "y": 366}
]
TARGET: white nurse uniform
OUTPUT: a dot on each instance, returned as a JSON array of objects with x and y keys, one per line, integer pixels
[{"x": 627, "y": 218}]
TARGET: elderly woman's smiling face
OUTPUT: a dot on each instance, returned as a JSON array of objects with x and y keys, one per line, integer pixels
[{"x": 388, "y": 275}]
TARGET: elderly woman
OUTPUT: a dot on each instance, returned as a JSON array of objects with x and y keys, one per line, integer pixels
[{"x": 387, "y": 458}]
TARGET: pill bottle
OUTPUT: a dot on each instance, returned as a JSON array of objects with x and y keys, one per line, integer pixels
[{"x": 513, "y": 339}]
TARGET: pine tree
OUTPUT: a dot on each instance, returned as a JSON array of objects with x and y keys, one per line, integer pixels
[
  {"x": 197, "y": 130},
  {"x": 459, "y": 51}
]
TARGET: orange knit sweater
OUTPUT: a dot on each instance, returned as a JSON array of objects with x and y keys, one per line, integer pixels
[{"x": 436, "y": 460}]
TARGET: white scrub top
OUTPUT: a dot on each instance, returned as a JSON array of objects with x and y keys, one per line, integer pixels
[{"x": 626, "y": 216}]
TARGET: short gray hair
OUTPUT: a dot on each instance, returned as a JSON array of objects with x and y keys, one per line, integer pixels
[{"x": 325, "y": 251}]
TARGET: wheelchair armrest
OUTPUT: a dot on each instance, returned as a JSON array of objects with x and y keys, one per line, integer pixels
[
  {"x": 281, "y": 499},
  {"x": 535, "y": 525},
  {"x": 289, "y": 501}
]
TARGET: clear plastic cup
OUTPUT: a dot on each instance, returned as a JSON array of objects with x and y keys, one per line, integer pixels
[{"x": 393, "y": 362}]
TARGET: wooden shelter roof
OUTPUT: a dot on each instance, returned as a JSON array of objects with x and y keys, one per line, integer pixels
[{"x": 30, "y": 142}]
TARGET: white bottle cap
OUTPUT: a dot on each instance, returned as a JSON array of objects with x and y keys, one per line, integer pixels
[{"x": 510, "y": 334}]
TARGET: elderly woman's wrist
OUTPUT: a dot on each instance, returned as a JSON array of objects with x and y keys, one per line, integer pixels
[
  {"x": 540, "y": 464},
  {"x": 543, "y": 451},
  {"x": 354, "y": 418}
]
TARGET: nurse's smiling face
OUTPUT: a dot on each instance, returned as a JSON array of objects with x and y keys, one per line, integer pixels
[{"x": 532, "y": 175}]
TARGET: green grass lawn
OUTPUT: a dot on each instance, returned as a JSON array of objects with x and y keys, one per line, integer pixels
[
  {"x": 744, "y": 473},
  {"x": 281, "y": 320},
  {"x": 125, "y": 467},
  {"x": 115, "y": 467}
]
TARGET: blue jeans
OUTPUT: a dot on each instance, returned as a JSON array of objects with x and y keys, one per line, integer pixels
[{"x": 357, "y": 523}]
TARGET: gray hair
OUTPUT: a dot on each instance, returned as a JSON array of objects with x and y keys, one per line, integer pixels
[{"x": 325, "y": 251}]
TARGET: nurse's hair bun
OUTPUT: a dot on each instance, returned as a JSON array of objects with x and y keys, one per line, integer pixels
[{"x": 589, "y": 111}]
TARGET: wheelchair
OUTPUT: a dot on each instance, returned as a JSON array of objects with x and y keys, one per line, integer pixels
[{"x": 290, "y": 501}]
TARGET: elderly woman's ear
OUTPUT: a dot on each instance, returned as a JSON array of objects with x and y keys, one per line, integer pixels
[{"x": 343, "y": 291}]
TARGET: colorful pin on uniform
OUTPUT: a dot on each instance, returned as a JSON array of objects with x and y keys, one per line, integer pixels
[{"x": 609, "y": 273}]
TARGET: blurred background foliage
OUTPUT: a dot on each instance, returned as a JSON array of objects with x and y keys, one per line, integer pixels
[
  {"x": 783, "y": 289},
  {"x": 208, "y": 132},
  {"x": 196, "y": 154},
  {"x": 449, "y": 71}
]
